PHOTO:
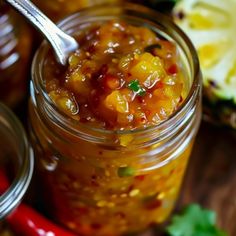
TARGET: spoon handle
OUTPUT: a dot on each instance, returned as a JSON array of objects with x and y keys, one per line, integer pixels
[{"x": 61, "y": 42}]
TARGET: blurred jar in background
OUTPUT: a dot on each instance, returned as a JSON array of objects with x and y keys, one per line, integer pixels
[
  {"x": 16, "y": 165},
  {"x": 15, "y": 50},
  {"x": 57, "y": 9}
]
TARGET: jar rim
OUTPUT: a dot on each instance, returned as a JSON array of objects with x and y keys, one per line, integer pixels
[
  {"x": 18, "y": 186},
  {"x": 128, "y": 9}
]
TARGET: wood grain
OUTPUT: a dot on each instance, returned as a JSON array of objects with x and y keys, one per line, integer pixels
[{"x": 211, "y": 176}]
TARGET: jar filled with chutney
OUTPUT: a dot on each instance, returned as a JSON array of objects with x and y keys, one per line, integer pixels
[{"x": 113, "y": 130}]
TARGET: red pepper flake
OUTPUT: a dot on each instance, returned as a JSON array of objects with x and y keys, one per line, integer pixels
[
  {"x": 151, "y": 202},
  {"x": 96, "y": 226},
  {"x": 94, "y": 98},
  {"x": 98, "y": 76},
  {"x": 91, "y": 49},
  {"x": 82, "y": 210},
  {"x": 173, "y": 69},
  {"x": 140, "y": 177},
  {"x": 159, "y": 85},
  {"x": 152, "y": 205},
  {"x": 120, "y": 215},
  {"x": 111, "y": 82},
  {"x": 94, "y": 177},
  {"x": 83, "y": 120},
  {"x": 147, "y": 112},
  {"x": 130, "y": 188},
  {"x": 141, "y": 99},
  {"x": 103, "y": 69},
  {"x": 94, "y": 183}
]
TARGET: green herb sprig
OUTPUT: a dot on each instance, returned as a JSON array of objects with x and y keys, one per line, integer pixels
[{"x": 194, "y": 221}]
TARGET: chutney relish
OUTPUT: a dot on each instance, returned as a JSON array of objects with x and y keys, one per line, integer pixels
[{"x": 121, "y": 77}]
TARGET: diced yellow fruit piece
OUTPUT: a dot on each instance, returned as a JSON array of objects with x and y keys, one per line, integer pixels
[
  {"x": 125, "y": 139},
  {"x": 67, "y": 104},
  {"x": 127, "y": 94},
  {"x": 159, "y": 93},
  {"x": 125, "y": 62},
  {"x": 77, "y": 76},
  {"x": 166, "y": 108},
  {"x": 74, "y": 61},
  {"x": 173, "y": 92},
  {"x": 115, "y": 101},
  {"x": 77, "y": 82},
  {"x": 168, "y": 90},
  {"x": 148, "y": 57},
  {"x": 147, "y": 66},
  {"x": 148, "y": 36}
]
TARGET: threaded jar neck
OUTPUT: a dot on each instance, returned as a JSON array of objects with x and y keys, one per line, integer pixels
[{"x": 136, "y": 15}]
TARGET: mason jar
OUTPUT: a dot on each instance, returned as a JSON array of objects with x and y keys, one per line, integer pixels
[
  {"x": 15, "y": 50},
  {"x": 110, "y": 182},
  {"x": 16, "y": 160}
]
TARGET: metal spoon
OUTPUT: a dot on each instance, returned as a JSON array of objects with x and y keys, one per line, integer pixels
[{"x": 62, "y": 43}]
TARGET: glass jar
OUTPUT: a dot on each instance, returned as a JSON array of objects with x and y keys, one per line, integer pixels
[
  {"x": 15, "y": 49},
  {"x": 101, "y": 182},
  {"x": 57, "y": 9},
  {"x": 16, "y": 162}
]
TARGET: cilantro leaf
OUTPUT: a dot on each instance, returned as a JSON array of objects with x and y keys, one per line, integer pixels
[
  {"x": 136, "y": 87},
  {"x": 194, "y": 221}
]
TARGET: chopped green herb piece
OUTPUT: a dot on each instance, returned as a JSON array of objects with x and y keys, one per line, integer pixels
[
  {"x": 194, "y": 221},
  {"x": 136, "y": 87},
  {"x": 125, "y": 171}
]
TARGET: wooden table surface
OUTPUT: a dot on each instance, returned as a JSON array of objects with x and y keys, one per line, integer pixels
[{"x": 211, "y": 176}]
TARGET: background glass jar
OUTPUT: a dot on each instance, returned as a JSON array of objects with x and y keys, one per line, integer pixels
[
  {"x": 16, "y": 162},
  {"x": 56, "y": 9},
  {"x": 15, "y": 49},
  {"x": 100, "y": 182}
]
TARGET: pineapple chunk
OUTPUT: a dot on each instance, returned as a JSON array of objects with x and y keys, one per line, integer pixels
[
  {"x": 125, "y": 139},
  {"x": 115, "y": 101},
  {"x": 147, "y": 66},
  {"x": 77, "y": 83},
  {"x": 65, "y": 102}
]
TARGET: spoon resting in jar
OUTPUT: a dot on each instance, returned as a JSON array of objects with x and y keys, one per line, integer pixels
[{"x": 62, "y": 43}]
